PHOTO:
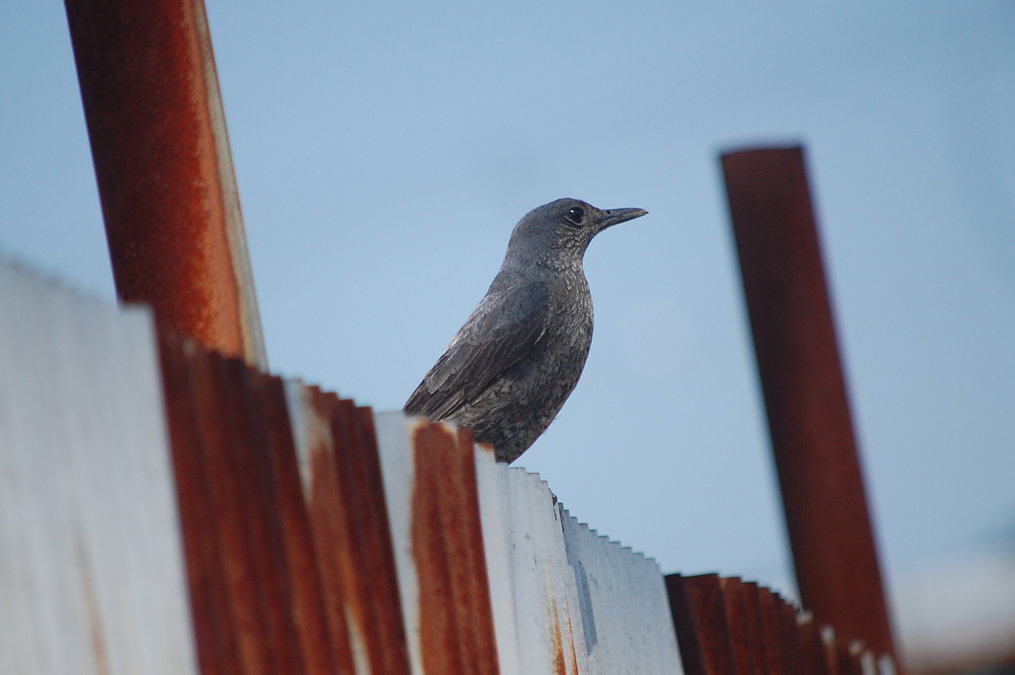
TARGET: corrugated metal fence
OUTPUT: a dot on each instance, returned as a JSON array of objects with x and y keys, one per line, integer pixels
[{"x": 167, "y": 510}]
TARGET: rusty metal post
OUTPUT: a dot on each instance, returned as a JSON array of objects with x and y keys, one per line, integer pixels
[
  {"x": 165, "y": 174},
  {"x": 805, "y": 394}
]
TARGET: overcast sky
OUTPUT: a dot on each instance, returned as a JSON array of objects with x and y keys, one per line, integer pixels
[{"x": 383, "y": 155}]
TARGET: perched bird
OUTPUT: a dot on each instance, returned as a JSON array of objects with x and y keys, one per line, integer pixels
[{"x": 519, "y": 355}]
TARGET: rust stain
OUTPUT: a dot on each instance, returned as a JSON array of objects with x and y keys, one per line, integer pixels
[
  {"x": 145, "y": 92},
  {"x": 447, "y": 539},
  {"x": 307, "y": 621},
  {"x": 571, "y": 646},
  {"x": 376, "y": 600},
  {"x": 230, "y": 524},
  {"x": 555, "y": 640},
  {"x": 382, "y": 570},
  {"x": 744, "y": 630},
  {"x": 259, "y": 508},
  {"x": 283, "y": 577},
  {"x": 464, "y": 537},
  {"x": 691, "y": 655},
  {"x": 214, "y": 632},
  {"x": 327, "y": 518},
  {"x": 752, "y": 609},
  {"x": 813, "y": 442},
  {"x": 770, "y": 633},
  {"x": 731, "y": 626},
  {"x": 101, "y": 661},
  {"x": 294, "y": 575},
  {"x": 705, "y": 596},
  {"x": 485, "y": 447},
  {"x": 790, "y": 637},
  {"x": 812, "y": 649},
  {"x": 830, "y": 650},
  {"x": 433, "y": 451},
  {"x": 850, "y": 657}
]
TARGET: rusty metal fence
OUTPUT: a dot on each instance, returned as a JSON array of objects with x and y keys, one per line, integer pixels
[
  {"x": 311, "y": 535},
  {"x": 165, "y": 509}
]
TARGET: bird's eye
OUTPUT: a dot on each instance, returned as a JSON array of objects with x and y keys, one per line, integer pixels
[{"x": 576, "y": 215}]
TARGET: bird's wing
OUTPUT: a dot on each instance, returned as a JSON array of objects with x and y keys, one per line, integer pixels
[{"x": 499, "y": 333}]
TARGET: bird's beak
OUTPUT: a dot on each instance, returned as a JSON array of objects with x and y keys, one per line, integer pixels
[{"x": 614, "y": 216}]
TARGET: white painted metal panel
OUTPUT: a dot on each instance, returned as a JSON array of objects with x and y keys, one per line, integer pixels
[
  {"x": 565, "y": 599},
  {"x": 394, "y": 431},
  {"x": 625, "y": 609},
  {"x": 91, "y": 563}
]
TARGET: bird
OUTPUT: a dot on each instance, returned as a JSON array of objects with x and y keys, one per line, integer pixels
[{"x": 512, "y": 365}]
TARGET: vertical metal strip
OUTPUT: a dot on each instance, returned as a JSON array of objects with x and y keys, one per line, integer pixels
[
  {"x": 164, "y": 172},
  {"x": 691, "y": 653},
  {"x": 306, "y": 598},
  {"x": 771, "y": 635},
  {"x": 333, "y": 543},
  {"x": 744, "y": 626},
  {"x": 705, "y": 596},
  {"x": 213, "y": 618},
  {"x": 805, "y": 394}
]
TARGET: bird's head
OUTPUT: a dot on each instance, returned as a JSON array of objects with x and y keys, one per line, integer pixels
[{"x": 562, "y": 230}]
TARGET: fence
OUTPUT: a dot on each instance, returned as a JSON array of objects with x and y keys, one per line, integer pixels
[
  {"x": 310, "y": 536},
  {"x": 314, "y": 535},
  {"x": 164, "y": 509}
]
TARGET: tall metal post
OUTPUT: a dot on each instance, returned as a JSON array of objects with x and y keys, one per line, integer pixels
[
  {"x": 805, "y": 393},
  {"x": 165, "y": 174}
]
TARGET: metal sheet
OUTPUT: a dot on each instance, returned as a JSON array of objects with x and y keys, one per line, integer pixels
[
  {"x": 91, "y": 566},
  {"x": 708, "y": 606},
  {"x": 164, "y": 170},
  {"x": 623, "y": 606},
  {"x": 691, "y": 654},
  {"x": 744, "y": 618},
  {"x": 317, "y": 537},
  {"x": 820, "y": 477},
  {"x": 560, "y": 599},
  {"x": 766, "y": 634},
  {"x": 525, "y": 531},
  {"x": 566, "y": 600},
  {"x": 433, "y": 504},
  {"x": 811, "y": 645},
  {"x": 345, "y": 499}
]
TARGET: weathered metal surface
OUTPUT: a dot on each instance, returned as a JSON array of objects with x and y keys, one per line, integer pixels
[
  {"x": 284, "y": 520},
  {"x": 309, "y": 616},
  {"x": 213, "y": 617},
  {"x": 771, "y": 632},
  {"x": 830, "y": 650},
  {"x": 91, "y": 568},
  {"x": 805, "y": 393},
  {"x": 812, "y": 651},
  {"x": 496, "y": 578},
  {"x": 622, "y": 604},
  {"x": 164, "y": 169},
  {"x": 334, "y": 548},
  {"x": 709, "y": 609},
  {"x": 730, "y": 626},
  {"x": 318, "y": 538},
  {"x": 691, "y": 652},
  {"x": 226, "y": 528},
  {"x": 790, "y": 634},
  {"x": 744, "y": 619},
  {"x": 344, "y": 493},
  {"x": 430, "y": 483}
]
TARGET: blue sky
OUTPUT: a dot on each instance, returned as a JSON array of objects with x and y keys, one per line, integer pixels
[{"x": 384, "y": 153}]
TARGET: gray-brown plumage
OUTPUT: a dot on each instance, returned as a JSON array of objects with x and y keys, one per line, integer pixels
[{"x": 519, "y": 355}]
